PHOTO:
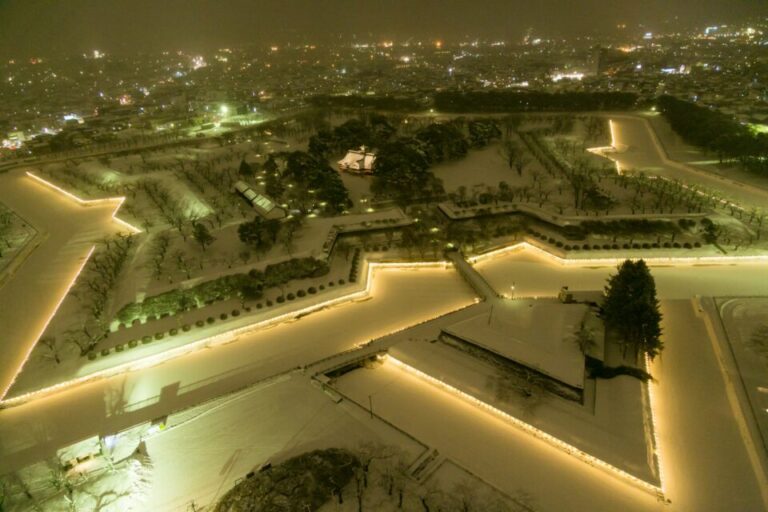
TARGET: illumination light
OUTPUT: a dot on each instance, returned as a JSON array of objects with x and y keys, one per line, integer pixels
[
  {"x": 659, "y": 260},
  {"x": 654, "y": 431},
  {"x": 90, "y": 202},
  {"x": 530, "y": 429},
  {"x": 221, "y": 338},
  {"x": 48, "y": 321}
]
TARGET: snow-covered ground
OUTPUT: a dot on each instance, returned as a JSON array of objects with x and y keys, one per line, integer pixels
[
  {"x": 644, "y": 153},
  {"x": 609, "y": 426},
  {"x": 202, "y": 458},
  {"x": 502, "y": 455},
  {"x": 533, "y": 275},
  {"x": 705, "y": 462},
  {"x": 67, "y": 232},
  {"x": 399, "y": 298},
  {"x": 698, "y": 435},
  {"x": 680, "y": 151},
  {"x": 745, "y": 322},
  {"x": 15, "y": 242}
]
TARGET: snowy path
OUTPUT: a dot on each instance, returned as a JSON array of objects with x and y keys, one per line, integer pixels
[
  {"x": 534, "y": 275},
  {"x": 645, "y": 153},
  {"x": 400, "y": 298},
  {"x": 501, "y": 454},
  {"x": 704, "y": 459},
  {"x": 66, "y": 232}
]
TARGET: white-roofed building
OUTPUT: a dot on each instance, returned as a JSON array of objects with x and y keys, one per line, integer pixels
[
  {"x": 265, "y": 206},
  {"x": 358, "y": 161}
]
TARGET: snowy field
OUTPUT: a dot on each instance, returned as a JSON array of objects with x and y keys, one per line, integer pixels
[
  {"x": 643, "y": 153},
  {"x": 66, "y": 233},
  {"x": 533, "y": 275},
  {"x": 705, "y": 462},
  {"x": 610, "y": 425},
  {"x": 499, "y": 453},
  {"x": 399, "y": 298},
  {"x": 200, "y": 459},
  {"x": 746, "y": 331}
]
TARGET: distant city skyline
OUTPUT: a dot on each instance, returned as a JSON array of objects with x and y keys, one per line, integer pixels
[{"x": 43, "y": 27}]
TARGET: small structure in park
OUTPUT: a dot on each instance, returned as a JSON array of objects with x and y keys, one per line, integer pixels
[
  {"x": 358, "y": 161},
  {"x": 263, "y": 205}
]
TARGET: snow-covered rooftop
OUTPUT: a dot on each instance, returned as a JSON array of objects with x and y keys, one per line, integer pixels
[{"x": 357, "y": 160}]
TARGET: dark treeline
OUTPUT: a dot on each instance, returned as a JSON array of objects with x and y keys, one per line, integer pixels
[
  {"x": 516, "y": 101},
  {"x": 402, "y": 168},
  {"x": 372, "y": 132},
  {"x": 484, "y": 101},
  {"x": 250, "y": 285},
  {"x": 390, "y": 103},
  {"x": 716, "y": 132}
]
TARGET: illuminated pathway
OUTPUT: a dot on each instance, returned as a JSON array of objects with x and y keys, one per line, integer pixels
[
  {"x": 488, "y": 446},
  {"x": 706, "y": 463},
  {"x": 534, "y": 274},
  {"x": 644, "y": 153},
  {"x": 400, "y": 298},
  {"x": 704, "y": 459},
  {"x": 699, "y": 437},
  {"x": 66, "y": 234}
]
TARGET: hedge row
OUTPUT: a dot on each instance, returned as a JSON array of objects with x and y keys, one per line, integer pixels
[
  {"x": 612, "y": 246},
  {"x": 145, "y": 340},
  {"x": 250, "y": 286},
  {"x": 354, "y": 267}
]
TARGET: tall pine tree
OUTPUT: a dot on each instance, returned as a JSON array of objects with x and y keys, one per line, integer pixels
[{"x": 632, "y": 309}]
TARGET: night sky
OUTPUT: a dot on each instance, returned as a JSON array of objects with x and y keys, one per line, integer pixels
[{"x": 43, "y": 27}]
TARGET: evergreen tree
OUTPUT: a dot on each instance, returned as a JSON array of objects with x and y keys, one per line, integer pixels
[
  {"x": 202, "y": 236},
  {"x": 632, "y": 309},
  {"x": 259, "y": 234},
  {"x": 273, "y": 184},
  {"x": 245, "y": 169},
  {"x": 402, "y": 171}
]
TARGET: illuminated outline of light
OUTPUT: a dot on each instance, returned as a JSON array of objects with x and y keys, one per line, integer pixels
[
  {"x": 652, "y": 408},
  {"x": 614, "y": 261},
  {"x": 89, "y": 202},
  {"x": 217, "y": 339},
  {"x": 539, "y": 434},
  {"x": 48, "y": 321},
  {"x": 604, "y": 152}
]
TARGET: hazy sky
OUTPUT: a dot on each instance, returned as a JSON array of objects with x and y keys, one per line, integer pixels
[{"x": 40, "y": 27}]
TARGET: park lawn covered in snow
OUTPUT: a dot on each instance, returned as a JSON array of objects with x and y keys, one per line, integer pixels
[
  {"x": 200, "y": 459},
  {"x": 610, "y": 425},
  {"x": 499, "y": 453},
  {"x": 534, "y": 275},
  {"x": 745, "y": 321}
]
